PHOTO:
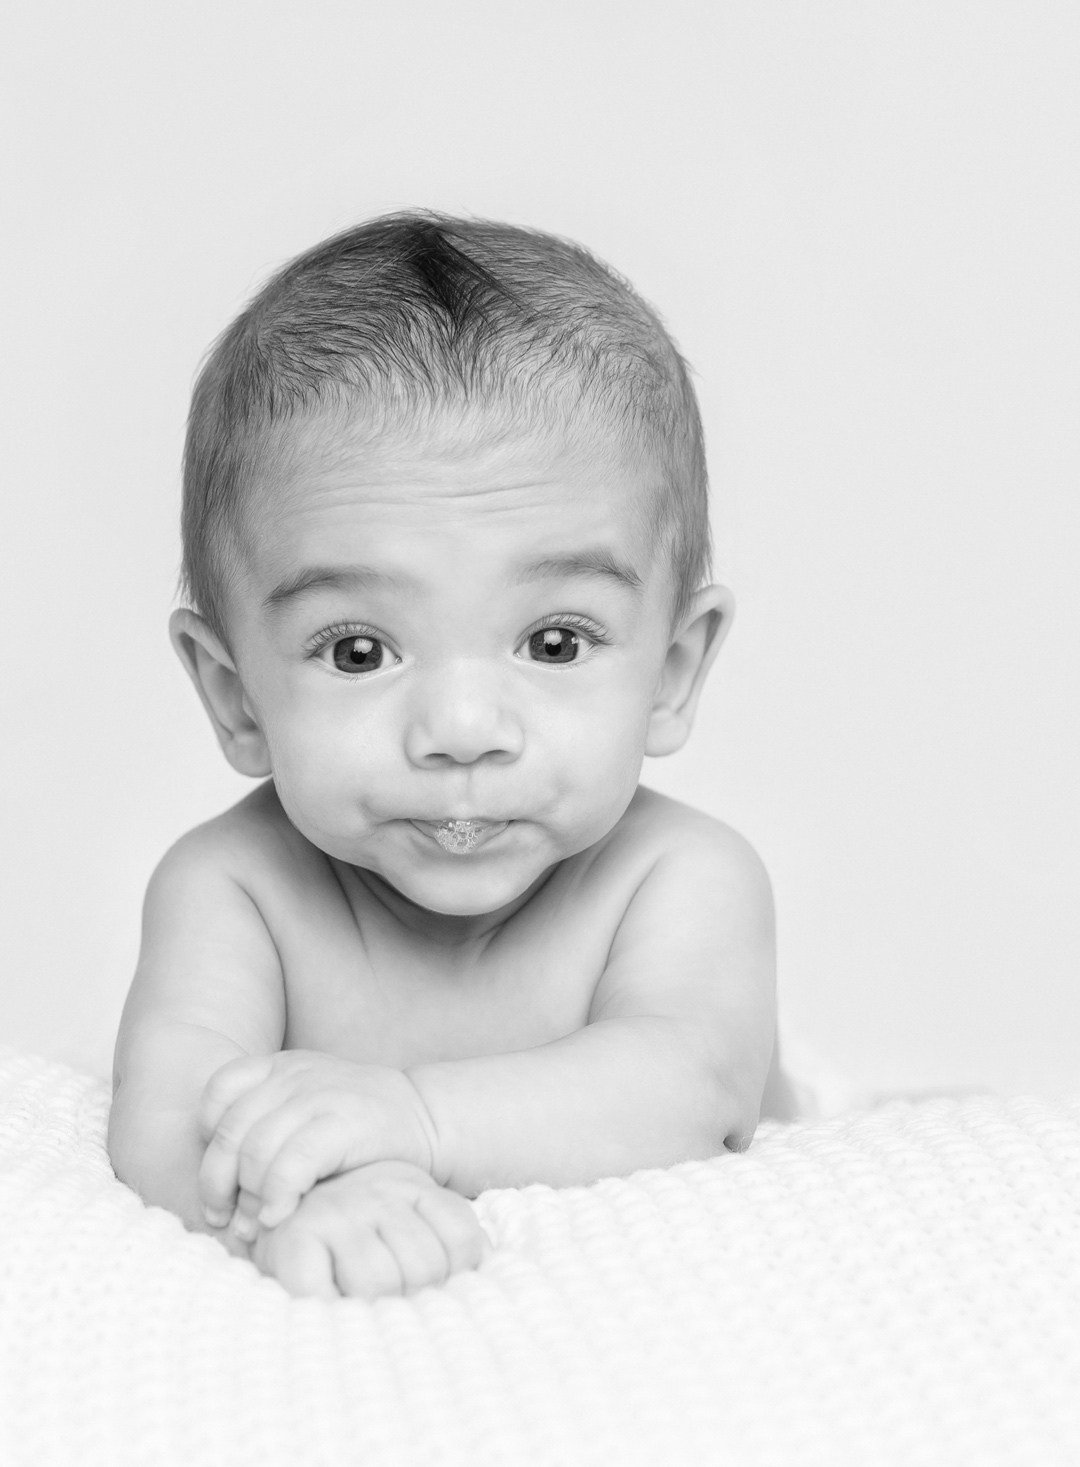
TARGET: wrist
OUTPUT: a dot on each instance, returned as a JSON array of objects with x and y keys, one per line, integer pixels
[{"x": 437, "y": 1161}]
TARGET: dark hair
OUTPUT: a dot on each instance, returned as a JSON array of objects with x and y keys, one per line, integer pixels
[{"x": 413, "y": 311}]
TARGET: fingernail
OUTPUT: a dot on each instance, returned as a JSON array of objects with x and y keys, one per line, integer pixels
[
  {"x": 245, "y": 1227},
  {"x": 215, "y": 1217}
]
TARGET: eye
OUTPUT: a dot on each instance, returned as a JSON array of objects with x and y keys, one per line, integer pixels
[
  {"x": 554, "y": 644},
  {"x": 359, "y": 654}
]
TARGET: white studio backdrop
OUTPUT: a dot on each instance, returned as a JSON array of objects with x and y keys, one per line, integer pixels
[{"x": 861, "y": 222}]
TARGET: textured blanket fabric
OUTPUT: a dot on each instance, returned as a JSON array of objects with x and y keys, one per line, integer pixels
[{"x": 893, "y": 1286}]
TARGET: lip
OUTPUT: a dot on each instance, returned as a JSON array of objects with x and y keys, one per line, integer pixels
[{"x": 482, "y": 831}]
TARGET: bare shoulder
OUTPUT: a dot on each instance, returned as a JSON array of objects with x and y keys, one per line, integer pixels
[
  {"x": 661, "y": 835},
  {"x": 215, "y": 911},
  {"x": 249, "y": 842},
  {"x": 696, "y": 901},
  {"x": 250, "y": 862}
]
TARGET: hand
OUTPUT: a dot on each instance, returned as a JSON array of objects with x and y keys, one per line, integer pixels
[
  {"x": 277, "y": 1124},
  {"x": 385, "y": 1228}
]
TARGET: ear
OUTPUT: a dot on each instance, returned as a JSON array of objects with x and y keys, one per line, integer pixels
[
  {"x": 217, "y": 683},
  {"x": 691, "y": 654}
]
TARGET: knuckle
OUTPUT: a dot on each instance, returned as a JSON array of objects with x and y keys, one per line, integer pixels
[
  {"x": 239, "y": 1076},
  {"x": 231, "y": 1133},
  {"x": 309, "y": 1144},
  {"x": 291, "y": 1063},
  {"x": 286, "y": 1177},
  {"x": 220, "y": 1086},
  {"x": 458, "y": 1215},
  {"x": 255, "y": 1149},
  {"x": 454, "y": 1221}
]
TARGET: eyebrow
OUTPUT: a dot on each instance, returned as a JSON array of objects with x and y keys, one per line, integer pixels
[
  {"x": 598, "y": 563},
  {"x": 326, "y": 578}
]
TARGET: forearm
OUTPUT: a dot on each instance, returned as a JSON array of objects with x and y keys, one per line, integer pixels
[
  {"x": 616, "y": 1096},
  {"x": 156, "y": 1152},
  {"x": 154, "y": 1141}
]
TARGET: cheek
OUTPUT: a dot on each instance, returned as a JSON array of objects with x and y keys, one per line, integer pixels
[
  {"x": 319, "y": 739},
  {"x": 598, "y": 742},
  {"x": 325, "y": 769}
]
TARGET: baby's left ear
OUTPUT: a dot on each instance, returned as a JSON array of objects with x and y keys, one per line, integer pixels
[{"x": 693, "y": 649}]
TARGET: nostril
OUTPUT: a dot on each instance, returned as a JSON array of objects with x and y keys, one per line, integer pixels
[
  {"x": 443, "y": 753},
  {"x": 445, "y": 758}
]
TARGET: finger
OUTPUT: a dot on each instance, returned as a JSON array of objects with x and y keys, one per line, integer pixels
[
  {"x": 417, "y": 1248},
  {"x": 456, "y": 1226},
  {"x": 245, "y": 1220},
  {"x": 219, "y": 1171},
  {"x": 364, "y": 1267},
  {"x": 270, "y": 1137},
  {"x": 300, "y": 1261},
  {"x": 218, "y": 1186},
  {"x": 218, "y": 1216},
  {"x": 218, "y": 1181},
  {"x": 319, "y": 1148},
  {"x": 226, "y": 1085}
]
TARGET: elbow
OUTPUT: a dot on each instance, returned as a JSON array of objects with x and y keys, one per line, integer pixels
[
  {"x": 707, "y": 1113},
  {"x": 732, "y": 1119},
  {"x": 739, "y": 1137}
]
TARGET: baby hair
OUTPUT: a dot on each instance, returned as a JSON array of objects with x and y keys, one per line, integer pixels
[{"x": 410, "y": 313}]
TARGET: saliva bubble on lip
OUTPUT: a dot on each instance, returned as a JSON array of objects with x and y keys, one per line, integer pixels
[{"x": 459, "y": 837}]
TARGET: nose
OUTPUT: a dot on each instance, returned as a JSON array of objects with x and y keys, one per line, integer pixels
[{"x": 461, "y": 716}]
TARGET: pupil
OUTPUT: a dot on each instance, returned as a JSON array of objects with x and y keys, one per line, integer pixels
[
  {"x": 554, "y": 644},
  {"x": 357, "y": 654}
]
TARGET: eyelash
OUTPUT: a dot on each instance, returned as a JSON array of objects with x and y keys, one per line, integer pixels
[
  {"x": 329, "y": 635},
  {"x": 570, "y": 619},
  {"x": 340, "y": 630}
]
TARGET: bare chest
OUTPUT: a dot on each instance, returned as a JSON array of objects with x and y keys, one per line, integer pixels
[{"x": 356, "y": 989}]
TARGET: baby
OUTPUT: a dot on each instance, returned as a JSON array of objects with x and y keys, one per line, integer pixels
[{"x": 446, "y": 551}]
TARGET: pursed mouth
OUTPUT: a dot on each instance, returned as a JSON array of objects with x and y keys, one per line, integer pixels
[{"x": 461, "y": 837}]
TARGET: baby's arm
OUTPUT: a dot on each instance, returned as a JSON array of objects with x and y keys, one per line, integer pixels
[
  {"x": 673, "y": 1062},
  {"x": 207, "y": 990}
]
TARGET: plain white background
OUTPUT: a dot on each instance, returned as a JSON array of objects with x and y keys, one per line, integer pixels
[{"x": 861, "y": 222}]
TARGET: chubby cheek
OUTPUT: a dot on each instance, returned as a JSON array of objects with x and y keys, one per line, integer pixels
[
  {"x": 595, "y": 761},
  {"x": 323, "y": 766}
]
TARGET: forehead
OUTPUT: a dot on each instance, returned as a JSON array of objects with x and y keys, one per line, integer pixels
[{"x": 333, "y": 487}]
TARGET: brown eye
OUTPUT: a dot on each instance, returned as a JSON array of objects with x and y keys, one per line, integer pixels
[
  {"x": 358, "y": 654},
  {"x": 554, "y": 644}
]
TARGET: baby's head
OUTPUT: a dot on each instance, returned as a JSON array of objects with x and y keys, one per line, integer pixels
[{"x": 445, "y": 533}]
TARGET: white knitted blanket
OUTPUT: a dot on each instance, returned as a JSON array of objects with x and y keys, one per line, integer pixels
[{"x": 893, "y": 1286}]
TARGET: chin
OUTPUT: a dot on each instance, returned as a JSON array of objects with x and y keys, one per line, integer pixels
[{"x": 468, "y": 892}]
